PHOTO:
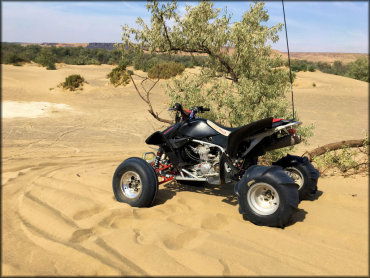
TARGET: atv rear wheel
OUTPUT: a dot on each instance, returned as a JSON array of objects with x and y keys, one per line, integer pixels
[
  {"x": 302, "y": 172},
  {"x": 267, "y": 196},
  {"x": 135, "y": 182}
]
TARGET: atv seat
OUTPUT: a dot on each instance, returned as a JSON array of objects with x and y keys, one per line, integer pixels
[
  {"x": 238, "y": 135},
  {"x": 220, "y": 128}
]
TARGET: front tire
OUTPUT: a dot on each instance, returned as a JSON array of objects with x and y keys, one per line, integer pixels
[
  {"x": 267, "y": 196},
  {"x": 135, "y": 183},
  {"x": 302, "y": 172}
]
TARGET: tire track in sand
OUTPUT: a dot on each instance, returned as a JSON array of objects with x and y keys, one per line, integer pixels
[{"x": 77, "y": 236}]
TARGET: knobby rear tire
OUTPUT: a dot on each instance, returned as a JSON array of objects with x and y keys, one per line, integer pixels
[
  {"x": 304, "y": 171},
  {"x": 271, "y": 181}
]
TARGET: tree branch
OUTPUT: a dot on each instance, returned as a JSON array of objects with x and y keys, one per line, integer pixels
[
  {"x": 147, "y": 99},
  {"x": 223, "y": 62},
  {"x": 332, "y": 147},
  {"x": 137, "y": 90},
  {"x": 165, "y": 31}
]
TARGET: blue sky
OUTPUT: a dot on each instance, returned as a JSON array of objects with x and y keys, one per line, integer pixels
[{"x": 313, "y": 26}]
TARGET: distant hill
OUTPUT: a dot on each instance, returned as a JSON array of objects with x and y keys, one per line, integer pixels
[
  {"x": 57, "y": 44},
  {"x": 105, "y": 45},
  {"x": 91, "y": 45}
]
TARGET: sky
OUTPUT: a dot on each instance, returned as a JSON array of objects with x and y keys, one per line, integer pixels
[{"x": 313, "y": 26}]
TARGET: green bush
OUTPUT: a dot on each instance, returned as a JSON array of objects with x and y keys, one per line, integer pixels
[
  {"x": 301, "y": 65},
  {"x": 359, "y": 69},
  {"x": 165, "y": 70},
  {"x": 338, "y": 68},
  {"x": 46, "y": 58},
  {"x": 51, "y": 66},
  {"x": 119, "y": 75},
  {"x": 343, "y": 160},
  {"x": 324, "y": 67},
  {"x": 73, "y": 82},
  {"x": 11, "y": 53},
  {"x": 311, "y": 67}
]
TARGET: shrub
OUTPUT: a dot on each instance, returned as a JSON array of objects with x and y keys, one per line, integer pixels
[
  {"x": 343, "y": 160},
  {"x": 298, "y": 65},
  {"x": 73, "y": 82},
  {"x": 119, "y": 75},
  {"x": 311, "y": 67},
  {"x": 338, "y": 68},
  {"x": 165, "y": 70},
  {"x": 50, "y": 66},
  {"x": 324, "y": 67},
  {"x": 359, "y": 69},
  {"x": 46, "y": 58}
]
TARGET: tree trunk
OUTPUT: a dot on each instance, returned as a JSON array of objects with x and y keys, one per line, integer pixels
[{"x": 332, "y": 147}]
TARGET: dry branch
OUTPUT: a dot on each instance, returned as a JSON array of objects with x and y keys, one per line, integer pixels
[
  {"x": 332, "y": 147},
  {"x": 146, "y": 98}
]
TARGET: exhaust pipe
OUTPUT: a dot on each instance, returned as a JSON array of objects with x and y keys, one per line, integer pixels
[{"x": 285, "y": 141}]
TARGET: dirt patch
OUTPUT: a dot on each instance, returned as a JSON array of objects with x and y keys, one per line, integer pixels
[{"x": 33, "y": 109}]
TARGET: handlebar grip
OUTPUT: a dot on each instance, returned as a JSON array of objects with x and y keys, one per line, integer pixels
[
  {"x": 206, "y": 109},
  {"x": 177, "y": 106}
]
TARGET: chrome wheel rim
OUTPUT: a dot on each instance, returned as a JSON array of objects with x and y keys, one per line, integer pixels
[
  {"x": 131, "y": 184},
  {"x": 263, "y": 199},
  {"x": 296, "y": 175}
]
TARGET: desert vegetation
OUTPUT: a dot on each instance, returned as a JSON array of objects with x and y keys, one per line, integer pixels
[
  {"x": 13, "y": 53},
  {"x": 358, "y": 69},
  {"x": 346, "y": 157},
  {"x": 47, "y": 56},
  {"x": 73, "y": 82},
  {"x": 165, "y": 70},
  {"x": 119, "y": 75}
]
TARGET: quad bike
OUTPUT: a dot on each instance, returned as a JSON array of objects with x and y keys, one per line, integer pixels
[{"x": 199, "y": 150}]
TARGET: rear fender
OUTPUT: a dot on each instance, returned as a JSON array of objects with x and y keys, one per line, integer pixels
[{"x": 236, "y": 137}]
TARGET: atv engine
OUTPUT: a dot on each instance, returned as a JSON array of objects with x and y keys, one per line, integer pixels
[{"x": 206, "y": 162}]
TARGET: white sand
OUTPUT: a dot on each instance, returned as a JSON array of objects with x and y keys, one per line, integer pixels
[{"x": 33, "y": 109}]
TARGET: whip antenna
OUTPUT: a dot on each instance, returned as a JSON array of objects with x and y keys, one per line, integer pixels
[{"x": 290, "y": 70}]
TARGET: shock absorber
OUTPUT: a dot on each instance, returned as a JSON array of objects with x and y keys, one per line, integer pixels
[{"x": 157, "y": 159}]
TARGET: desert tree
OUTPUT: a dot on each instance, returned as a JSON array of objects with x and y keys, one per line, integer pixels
[{"x": 242, "y": 81}]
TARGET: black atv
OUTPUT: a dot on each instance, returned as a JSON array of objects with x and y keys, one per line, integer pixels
[{"x": 199, "y": 150}]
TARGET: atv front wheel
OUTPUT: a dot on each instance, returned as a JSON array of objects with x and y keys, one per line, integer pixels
[
  {"x": 302, "y": 172},
  {"x": 135, "y": 183},
  {"x": 267, "y": 196}
]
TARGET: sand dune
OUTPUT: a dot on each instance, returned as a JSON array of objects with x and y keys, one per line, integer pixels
[{"x": 60, "y": 216}]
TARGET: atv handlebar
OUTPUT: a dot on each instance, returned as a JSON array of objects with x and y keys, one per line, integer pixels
[
  {"x": 188, "y": 114},
  {"x": 178, "y": 107},
  {"x": 200, "y": 109}
]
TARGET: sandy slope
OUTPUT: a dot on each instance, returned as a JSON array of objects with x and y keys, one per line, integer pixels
[{"x": 60, "y": 216}]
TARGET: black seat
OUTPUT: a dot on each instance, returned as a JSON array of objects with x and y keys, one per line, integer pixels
[{"x": 239, "y": 134}]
